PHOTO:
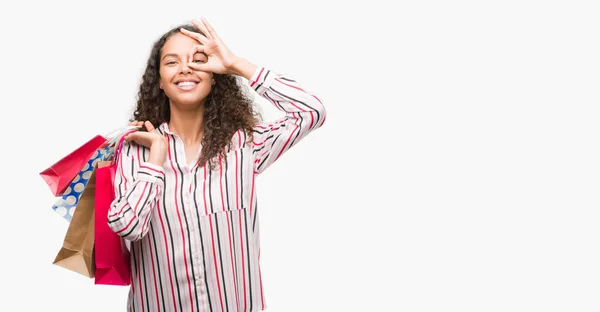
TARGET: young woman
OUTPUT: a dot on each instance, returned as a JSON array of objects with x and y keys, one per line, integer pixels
[{"x": 185, "y": 187}]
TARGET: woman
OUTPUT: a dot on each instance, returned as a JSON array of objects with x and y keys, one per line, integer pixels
[{"x": 185, "y": 191}]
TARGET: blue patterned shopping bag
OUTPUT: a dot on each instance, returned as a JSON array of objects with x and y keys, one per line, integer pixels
[{"x": 65, "y": 205}]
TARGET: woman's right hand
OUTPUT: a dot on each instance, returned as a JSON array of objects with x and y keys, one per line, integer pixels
[{"x": 151, "y": 139}]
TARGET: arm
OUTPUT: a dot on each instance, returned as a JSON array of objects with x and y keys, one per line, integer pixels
[
  {"x": 304, "y": 113},
  {"x": 138, "y": 185}
]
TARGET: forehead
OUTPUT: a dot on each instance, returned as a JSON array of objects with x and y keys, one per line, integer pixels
[{"x": 178, "y": 44}]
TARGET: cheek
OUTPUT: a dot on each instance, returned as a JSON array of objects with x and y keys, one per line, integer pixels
[
  {"x": 204, "y": 75},
  {"x": 165, "y": 76}
]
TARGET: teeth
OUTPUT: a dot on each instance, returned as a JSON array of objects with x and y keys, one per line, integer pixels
[{"x": 186, "y": 83}]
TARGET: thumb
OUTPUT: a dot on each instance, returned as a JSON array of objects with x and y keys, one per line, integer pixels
[
  {"x": 129, "y": 137},
  {"x": 197, "y": 66}
]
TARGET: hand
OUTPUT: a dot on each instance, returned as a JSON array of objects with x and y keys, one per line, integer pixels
[
  {"x": 144, "y": 138},
  {"x": 220, "y": 58},
  {"x": 151, "y": 139}
]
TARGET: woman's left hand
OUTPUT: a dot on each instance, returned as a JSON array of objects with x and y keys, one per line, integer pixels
[{"x": 220, "y": 58}]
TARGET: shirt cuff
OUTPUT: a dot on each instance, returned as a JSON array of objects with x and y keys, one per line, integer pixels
[
  {"x": 261, "y": 80},
  {"x": 151, "y": 173}
]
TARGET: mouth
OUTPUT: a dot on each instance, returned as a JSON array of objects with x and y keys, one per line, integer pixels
[{"x": 187, "y": 85}]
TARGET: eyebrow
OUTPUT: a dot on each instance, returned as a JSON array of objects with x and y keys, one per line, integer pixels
[
  {"x": 177, "y": 56},
  {"x": 170, "y": 54}
]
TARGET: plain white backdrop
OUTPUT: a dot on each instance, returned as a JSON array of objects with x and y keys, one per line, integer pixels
[{"x": 458, "y": 169}]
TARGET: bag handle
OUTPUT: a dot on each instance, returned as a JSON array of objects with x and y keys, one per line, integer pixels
[
  {"x": 119, "y": 146},
  {"x": 113, "y": 136}
]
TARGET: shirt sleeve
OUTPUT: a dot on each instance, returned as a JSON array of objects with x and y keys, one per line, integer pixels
[
  {"x": 304, "y": 113},
  {"x": 138, "y": 185}
]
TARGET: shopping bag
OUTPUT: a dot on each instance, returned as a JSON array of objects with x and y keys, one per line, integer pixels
[
  {"x": 59, "y": 175},
  {"x": 77, "y": 252},
  {"x": 111, "y": 253},
  {"x": 66, "y": 204}
]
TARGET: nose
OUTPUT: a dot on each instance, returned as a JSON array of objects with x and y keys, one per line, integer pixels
[{"x": 185, "y": 69}]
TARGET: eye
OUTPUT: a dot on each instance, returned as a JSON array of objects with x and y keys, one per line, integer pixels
[
  {"x": 200, "y": 58},
  {"x": 170, "y": 62}
]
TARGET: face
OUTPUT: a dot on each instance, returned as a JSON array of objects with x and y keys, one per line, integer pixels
[{"x": 182, "y": 85}]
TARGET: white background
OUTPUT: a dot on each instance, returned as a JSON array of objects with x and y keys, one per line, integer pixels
[{"x": 458, "y": 169}]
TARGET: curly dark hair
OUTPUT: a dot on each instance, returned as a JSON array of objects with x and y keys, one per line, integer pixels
[{"x": 228, "y": 107}]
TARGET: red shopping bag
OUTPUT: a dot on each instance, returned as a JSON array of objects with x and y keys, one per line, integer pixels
[
  {"x": 60, "y": 174},
  {"x": 111, "y": 253}
]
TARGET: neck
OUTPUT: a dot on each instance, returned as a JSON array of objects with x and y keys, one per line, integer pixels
[{"x": 187, "y": 124}]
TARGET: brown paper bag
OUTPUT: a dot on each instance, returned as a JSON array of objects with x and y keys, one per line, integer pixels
[{"x": 77, "y": 252}]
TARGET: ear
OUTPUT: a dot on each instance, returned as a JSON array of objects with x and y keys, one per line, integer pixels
[{"x": 160, "y": 85}]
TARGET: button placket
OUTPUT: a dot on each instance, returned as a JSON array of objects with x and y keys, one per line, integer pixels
[{"x": 195, "y": 236}]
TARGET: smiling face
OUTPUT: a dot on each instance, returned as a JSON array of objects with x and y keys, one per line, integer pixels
[{"x": 183, "y": 86}]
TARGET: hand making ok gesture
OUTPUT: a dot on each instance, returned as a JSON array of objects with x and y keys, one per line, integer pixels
[{"x": 220, "y": 58}]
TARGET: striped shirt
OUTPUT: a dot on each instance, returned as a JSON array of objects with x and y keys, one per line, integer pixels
[{"x": 194, "y": 231}]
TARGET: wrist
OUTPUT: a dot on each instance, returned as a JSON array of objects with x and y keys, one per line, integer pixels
[
  {"x": 242, "y": 67},
  {"x": 158, "y": 152}
]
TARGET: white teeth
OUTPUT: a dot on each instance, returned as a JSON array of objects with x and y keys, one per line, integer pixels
[{"x": 186, "y": 83}]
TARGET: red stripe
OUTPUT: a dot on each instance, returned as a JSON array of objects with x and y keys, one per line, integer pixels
[
  {"x": 277, "y": 105},
  {"x": 270, "y": 125},
  {"x": 157, "y": 171},
  {"x": 237, "y": 304},
  {"x": 262, "y": 295},
  {"x": 187, "y": 273},
  {"x": 162, "y": 224},
  {"x": 135, "y": 209},
  {"x": 145, "y": 223},
  {"x": 125, "y": 228},
  {"x": 243, "y": 264},
  {"x": 212, "y": 235},
  {"x": 237, "y": 203},
  {"x": 134, "y": 213},
  {"x": 290, "y": 85},
  {"x": 301, "y": 109},
  {"x": 204, "y": 192},
  {"x": 213, "y": 241},
  {"x": 132, "y": 281},
  {"x": 286, "y": 143},
  {"x": 154, "y": 274},
  {"x": 229, "y": 233},
  {"x": 252, "y": 196},
  {"x": 237, "y": 182},
  {"x": 317, "y": 99},
  {"x": 257, "y": 78},
  {"x": 140, "y": 279},
  {"x": 127, "y": 204},
  {"x": 122, "y": 173},
  {"x": 312, "y": 120},
  {"x": 221, "y": 182}
]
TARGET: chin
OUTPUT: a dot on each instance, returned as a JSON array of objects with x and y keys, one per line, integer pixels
[{"x": 189, "y": 101}]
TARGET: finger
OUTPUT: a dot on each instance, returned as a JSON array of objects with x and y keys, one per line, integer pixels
[
  {"x": 202, "y": 28},
  {"x": 129, "y": 137},
  {"x": 210, "y": 29},
  {"x": 149, "y": 126},
  {"x": 195, "y": 49},
  {"x": 133, "y": 123},
  {"x": 194, "y": 35},
  {"x": 198, "y": 67}
]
